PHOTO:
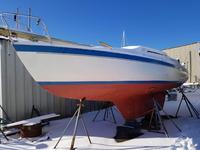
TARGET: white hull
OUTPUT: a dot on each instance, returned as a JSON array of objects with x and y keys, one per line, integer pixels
[{"x": 55, "y": 67}]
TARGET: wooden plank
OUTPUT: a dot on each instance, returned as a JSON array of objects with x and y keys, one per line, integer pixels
[
  {"x": 11, "y": 132},
  {"x": 32, "y": 120}
]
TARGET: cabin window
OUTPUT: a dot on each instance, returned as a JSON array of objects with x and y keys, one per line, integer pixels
[{"x": 154, "y": 52}]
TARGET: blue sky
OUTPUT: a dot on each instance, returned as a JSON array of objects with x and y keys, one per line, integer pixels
[{"x": 153, "y": 23}]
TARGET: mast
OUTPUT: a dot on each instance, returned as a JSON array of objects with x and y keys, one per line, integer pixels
[{"x": 123, "y": 39}]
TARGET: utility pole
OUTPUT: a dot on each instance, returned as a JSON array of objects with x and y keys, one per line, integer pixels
[
  {"x": 29, "y": 19},
  {"x": 190, "y": 61},
  {"x": 17, "y": 19}
]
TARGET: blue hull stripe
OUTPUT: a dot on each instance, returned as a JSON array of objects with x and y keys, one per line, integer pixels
[
  {"x": 108, "y": 82},
  {"x": 77, "y": 51}
]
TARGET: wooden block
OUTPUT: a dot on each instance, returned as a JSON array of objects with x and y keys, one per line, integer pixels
[{"x": 31, "y": 130}]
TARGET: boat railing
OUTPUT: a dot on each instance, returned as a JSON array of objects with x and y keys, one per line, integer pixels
[{"x": 24, "y": 23}]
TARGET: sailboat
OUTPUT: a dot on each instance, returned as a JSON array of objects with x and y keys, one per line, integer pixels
[{"x": 128, "y": 76}]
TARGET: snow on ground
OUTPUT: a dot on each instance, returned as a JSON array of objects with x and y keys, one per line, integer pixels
[{"x": 102, "y": 133}]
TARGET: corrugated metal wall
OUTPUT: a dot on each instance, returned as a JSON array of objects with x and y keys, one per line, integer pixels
[
  {"x": 189, "y": 54},
  {"x": 20, "y": 92}
]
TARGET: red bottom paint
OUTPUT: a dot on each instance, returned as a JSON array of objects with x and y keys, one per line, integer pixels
[{"x": 132, "y": 100}]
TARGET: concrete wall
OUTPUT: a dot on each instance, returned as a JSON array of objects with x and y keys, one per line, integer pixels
[
  {"x": 189, "y": 54},
  {"x": 19, "y": 91}
]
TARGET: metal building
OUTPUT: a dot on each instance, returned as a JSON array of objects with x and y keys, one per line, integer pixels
[
  {"x": 19, "y": 92},
  {"x": 189, "y": 55}
]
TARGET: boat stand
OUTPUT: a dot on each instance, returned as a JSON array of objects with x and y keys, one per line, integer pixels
[
  {"x": 108, "y": 109},
  {"x": 4, "y": 121},
  {"x": 78, "y": 117},
  {"x": 188, "y": 104},
  {"x": 7, "y": 119},
  {"x": 158, "y": 119},
  {"x": 35, "y": 112},
  {"x": 4, "y": 134}
]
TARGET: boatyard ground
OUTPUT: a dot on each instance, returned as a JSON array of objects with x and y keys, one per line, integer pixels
[{"x": 102, "y": 133}]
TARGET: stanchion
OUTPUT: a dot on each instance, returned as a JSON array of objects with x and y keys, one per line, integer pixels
[{"x": 78, "y": 117}]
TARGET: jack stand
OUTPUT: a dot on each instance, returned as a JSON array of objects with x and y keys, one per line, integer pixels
[
  {"x": 35, "y": 111},
  {"x": 4, "y": 135},
  {"x": 107, "y": 110},
  {"x": 188, "y": 104},
  {"x": 78, "y": 116},
  {"x": 158, "y": 119},
  {"x": 7, "y": 120}
]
